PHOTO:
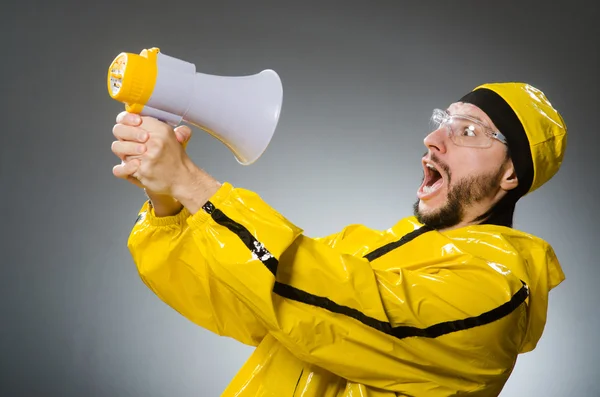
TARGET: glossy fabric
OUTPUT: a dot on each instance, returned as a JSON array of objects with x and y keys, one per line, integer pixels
[
  {"x": 544, "y": 127},
  {"x": 406, "y": 311}
]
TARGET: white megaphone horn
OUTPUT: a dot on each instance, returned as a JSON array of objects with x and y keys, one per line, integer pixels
[{"x": 241, "y": 112}]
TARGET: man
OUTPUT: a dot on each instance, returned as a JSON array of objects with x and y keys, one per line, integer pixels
[{"x": 439, "y": 304}]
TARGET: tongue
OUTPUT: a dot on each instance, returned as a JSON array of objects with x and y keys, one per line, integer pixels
[{"x": 437, "y": 182}]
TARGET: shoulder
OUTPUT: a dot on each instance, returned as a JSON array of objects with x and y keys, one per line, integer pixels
[
  {"x": 350, "y": 233},
  {"x": 358, "y": 239},
  {"x": 500, "y": 237},
  {"x": 530, "y": 257}
]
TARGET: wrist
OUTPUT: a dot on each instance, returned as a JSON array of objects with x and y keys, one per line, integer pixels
[
  {"x": 195, "y": 188},
  {"x": 163, "y": 204}
]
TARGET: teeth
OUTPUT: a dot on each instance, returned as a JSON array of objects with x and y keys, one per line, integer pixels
[
  {"x": 430, "y": 166},
  {"x": 428, "y": 189}
]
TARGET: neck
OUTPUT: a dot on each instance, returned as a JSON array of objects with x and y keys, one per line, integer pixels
[
  {"x": 475, "y": 214},
  {"x": 460, "y": 225},
  {"x": 499, "y": 213}
]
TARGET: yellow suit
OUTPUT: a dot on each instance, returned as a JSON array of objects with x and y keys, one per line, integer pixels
[{"x": 406, "y": 311}]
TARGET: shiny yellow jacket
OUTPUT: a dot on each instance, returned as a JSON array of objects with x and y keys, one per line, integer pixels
[{"x": 406, "y": 311}]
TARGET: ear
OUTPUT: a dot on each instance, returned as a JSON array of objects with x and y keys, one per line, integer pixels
[{"x": 509, "y": 178}]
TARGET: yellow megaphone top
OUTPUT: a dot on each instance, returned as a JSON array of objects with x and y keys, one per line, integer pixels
[{"x": 132, "y": 77}]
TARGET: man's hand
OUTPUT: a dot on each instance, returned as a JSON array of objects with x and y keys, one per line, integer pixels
[
  {"x": 154, "y": 158},
  {"x": 131, "y": 143},
  {"x": 151, "y": 153}
]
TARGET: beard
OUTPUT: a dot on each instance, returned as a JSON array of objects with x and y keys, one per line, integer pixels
[{"x": 464, "y": 193}]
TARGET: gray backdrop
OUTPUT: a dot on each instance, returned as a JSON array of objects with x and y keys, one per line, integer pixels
[{"x": 360, "y": 81}]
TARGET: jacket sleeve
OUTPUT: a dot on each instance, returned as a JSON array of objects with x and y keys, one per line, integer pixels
[
  {"x": 175, "y": 269},
  {"x": 333, "y": 309}
]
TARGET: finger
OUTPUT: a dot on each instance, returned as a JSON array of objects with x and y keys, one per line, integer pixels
[
  {"x": 135, "y": 181},
  {"x": 128, "y": 133},
  {"x": 122, "y": 149},
  {"x": 156, "y": 126},
  {"x": 126, "y": 169},
  {"x": 183, "y": 133},
  {"x": 127, "y": 118},
  {"x": 129, "y": 158}
]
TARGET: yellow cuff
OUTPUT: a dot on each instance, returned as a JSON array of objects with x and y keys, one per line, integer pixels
[
  {"x": 176, "y": 219},
  {"x": 201, "y": 216}
]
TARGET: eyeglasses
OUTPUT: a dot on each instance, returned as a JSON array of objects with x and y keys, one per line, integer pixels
[{"x": 465, "y": 130}]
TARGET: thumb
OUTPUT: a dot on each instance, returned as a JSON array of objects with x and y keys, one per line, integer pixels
[{"x": 183, "y": 134}]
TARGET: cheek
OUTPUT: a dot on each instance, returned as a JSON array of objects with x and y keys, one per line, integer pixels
[{"x": 468, "y": 164}]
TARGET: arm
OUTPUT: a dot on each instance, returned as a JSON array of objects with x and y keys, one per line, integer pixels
[
  {"x": 163, "y": 205},
  {"x": 170, "y": 264},
  {"x": 334, "y": 309},
  {"x": 161, "y": 243}
]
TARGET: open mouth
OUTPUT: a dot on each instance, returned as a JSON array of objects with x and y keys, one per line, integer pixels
[{"x": 432, "y": 181}]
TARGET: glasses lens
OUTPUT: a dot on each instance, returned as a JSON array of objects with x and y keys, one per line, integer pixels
[
  {"x": 468, "y": 133},
  {"x": 437, "y": 118}
]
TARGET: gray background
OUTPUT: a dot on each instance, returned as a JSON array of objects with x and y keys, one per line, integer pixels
[{"x": 360, "y": 81}]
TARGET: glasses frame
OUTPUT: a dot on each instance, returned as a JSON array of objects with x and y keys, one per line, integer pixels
[{"x": 446, "y": 117}]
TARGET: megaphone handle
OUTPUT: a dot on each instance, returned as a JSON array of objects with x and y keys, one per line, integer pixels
[{"x": 166, "y": 117}]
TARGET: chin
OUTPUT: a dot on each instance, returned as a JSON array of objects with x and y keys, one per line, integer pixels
[
  {"x": 438, "y": 214},
  {"x": 423, "y": 208},
  {"x": 430, "y": 206}
]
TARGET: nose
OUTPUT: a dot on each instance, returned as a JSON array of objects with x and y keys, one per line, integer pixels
[{"x": 436, "y": 140}]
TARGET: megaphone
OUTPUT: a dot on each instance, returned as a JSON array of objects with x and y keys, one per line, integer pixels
[{"x": 242, "y": 112}]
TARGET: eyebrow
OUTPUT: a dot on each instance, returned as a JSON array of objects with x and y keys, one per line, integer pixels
[{"x": 470, "y": 115}]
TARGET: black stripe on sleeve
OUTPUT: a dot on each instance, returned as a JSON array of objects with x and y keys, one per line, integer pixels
[
  {"x": 400, "y": 332},
  {"x": 404, "y": 331},
  {"x": 257, "y": 248}
]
